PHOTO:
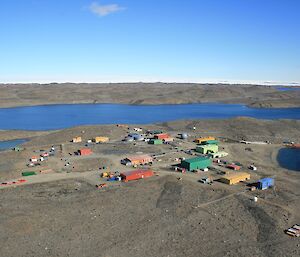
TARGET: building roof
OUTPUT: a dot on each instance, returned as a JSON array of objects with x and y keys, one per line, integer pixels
[
  {"x": 134, "y": 172},
  {"x": 139, "y": 157},
  {"x": 196, "y": 159},
  {"x": 232, "y": 175},
  {"x": 206, "y": 146}
]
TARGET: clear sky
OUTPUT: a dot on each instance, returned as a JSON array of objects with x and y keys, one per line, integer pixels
[{"x": 149, "y": 40}]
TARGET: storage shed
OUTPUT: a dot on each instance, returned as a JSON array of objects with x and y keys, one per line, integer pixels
[
  {"x": 137, "y": 160},
  {"x": 136, "y": 174},
  {"x": 205, "y": 149},
  {"x": 155, "y": 141},
  {"x": 265, "y": 183},
  {"x": 202, "y": 139},
  {"x": 196, "y": 163},
  {"x": 234, "y": 178},
  {"x": 101, "y": 140},
  {"x": 85, "y": 151}
]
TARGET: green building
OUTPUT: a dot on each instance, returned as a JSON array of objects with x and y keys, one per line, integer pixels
[
  {"x": 205, "y": 149},
  {"x": 156, "y": 142},
  {"x": 218, "y": 154},
  {"x": 210, "y": 142},
  {"x": 18, "y": 149},
  {"x": 155, "y": 132},
  {"x": 196, "y": 163}
]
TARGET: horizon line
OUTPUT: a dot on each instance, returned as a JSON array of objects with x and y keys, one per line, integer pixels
[{"x": 228, "y": 82}]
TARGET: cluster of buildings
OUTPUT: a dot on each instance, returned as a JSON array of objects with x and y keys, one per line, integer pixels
[{"x": 97, "y": 140}]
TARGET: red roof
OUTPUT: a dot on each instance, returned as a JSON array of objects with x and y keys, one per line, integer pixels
[
  {"x": 161, "y": 136},
  {"x": 85, "y": 151},
  {"x": 136, "y": 174},
  {"x": 233, "y": 166}
]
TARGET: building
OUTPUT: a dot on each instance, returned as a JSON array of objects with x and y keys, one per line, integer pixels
[
  {"x": 98, "y": 140},
  {"x": 161, "y": 136},
  {"x": 233, "y": 166},
  {"x": 77, "y": 140},
  {"x": 265, "y": 183},
  {"x": 202, "y": 139},
  {"x": 136, "y": 174},
  {"x": 154, "y": 132},
  {"x": 169, "y": 139},
  {"x": 218, "y": 154},
  {"x": 196, "y": 163},
  {"x": 210, "y": 142},
  {"x": 18, "y": 149},
  {"x": 136, "y": 136},
  {"x": 85, "y": 151},
  {"x": 129, "y": 139},
  {"x": 205, "y": 149},
  {"x": 34, "y": 159},
  {"x": 137, "y": 160},
  {"x": 234, "y": 178},
  {"x": 184, "y": 135},
  {"x": 155, "y": 141}
]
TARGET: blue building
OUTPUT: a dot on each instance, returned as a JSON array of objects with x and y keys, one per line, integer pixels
[{"x": 265, "y": 183}]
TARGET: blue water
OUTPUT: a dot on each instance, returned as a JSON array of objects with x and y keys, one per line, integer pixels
[
  {"x": 289, "y": 158},
  {"x": 6, "y": 145},
  {"x": 288, "y": 88},
  {"x": 49, "y": 117}
]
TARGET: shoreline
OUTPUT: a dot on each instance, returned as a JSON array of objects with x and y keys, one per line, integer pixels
[{"x": 248, "y": 105}]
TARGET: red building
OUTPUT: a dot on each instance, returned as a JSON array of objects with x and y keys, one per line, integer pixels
[
  {"x": 136, "y": 174},
  {"x": 85, "y": 151},
  {"x": 233, "y": 167},
  {"x": 161, "y": 136}
]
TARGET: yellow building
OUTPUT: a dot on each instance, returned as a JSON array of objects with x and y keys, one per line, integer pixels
[
  {"x": 234, "y": 178},
  {"x": 77, "y": 140},
  {"x": 101, "y": 140},
  {"x": 202, "y": 139}
]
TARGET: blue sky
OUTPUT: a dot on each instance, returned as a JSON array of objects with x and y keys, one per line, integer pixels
[{"x": 149, "y": 40}]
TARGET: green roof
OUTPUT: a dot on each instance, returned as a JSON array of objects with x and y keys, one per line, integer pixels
[{"x": 196, "y": 159}]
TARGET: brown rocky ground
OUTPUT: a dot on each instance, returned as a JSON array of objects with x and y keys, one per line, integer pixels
[
  {"x": 145, "y": 93},
  {"x": 159, "y": 216}
]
